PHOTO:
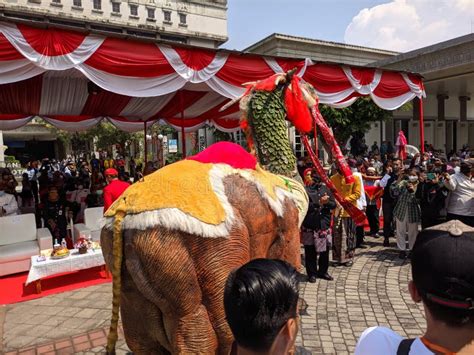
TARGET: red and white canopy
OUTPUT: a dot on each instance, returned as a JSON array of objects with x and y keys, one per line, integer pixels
[{"x": 48, "y": 72}]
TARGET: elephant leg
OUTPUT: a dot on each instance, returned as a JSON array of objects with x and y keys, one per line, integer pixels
[
  {"x": 142, "y": 320},
  {"x": 215, "y": 259},
  {"x": 286, "y": 245},
  {"x": 165, "y": 270}
]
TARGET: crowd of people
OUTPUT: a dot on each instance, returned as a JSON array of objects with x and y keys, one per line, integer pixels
[
  {"x": 58, "y": 192},
  {"x": 405, "y": 195}
]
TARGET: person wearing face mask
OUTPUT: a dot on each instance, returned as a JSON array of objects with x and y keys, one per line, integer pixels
[
  {"x": 316, "y": 229},
  {"x": 8, "y": 204},
  {"x": 432, "y": 199},
  {"x": 389, "y": 200},
  {"x": 407, "y": 211},
  {"x": 461, "y": 199}
]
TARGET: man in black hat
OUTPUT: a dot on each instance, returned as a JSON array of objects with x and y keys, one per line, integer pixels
[{"x": 443, "y": 280}]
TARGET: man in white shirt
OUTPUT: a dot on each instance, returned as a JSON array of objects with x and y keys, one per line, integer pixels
[
  {"x": 446, "y": 251},
  {"x": 461, "y": 198},
  {"x": 8, "y": 204}
]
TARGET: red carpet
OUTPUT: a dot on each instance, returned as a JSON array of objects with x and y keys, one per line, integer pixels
[{"x": 13, "y": 287}]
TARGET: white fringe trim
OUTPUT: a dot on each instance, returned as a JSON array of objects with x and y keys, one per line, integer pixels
[{"x": 175, "y": 219}]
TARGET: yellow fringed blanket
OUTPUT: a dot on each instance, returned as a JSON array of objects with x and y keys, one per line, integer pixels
[{"x": 190, "y": 196}]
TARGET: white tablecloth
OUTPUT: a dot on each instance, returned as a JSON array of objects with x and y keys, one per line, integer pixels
[{"x": 74, "y": 262}]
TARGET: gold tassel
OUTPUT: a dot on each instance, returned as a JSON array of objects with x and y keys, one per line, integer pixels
[{"x": 116, "y": 282}]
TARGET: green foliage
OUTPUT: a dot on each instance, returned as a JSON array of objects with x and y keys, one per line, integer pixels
[
  {"x": 353, "y": 119},
  {"x": 173, "y": 157}
]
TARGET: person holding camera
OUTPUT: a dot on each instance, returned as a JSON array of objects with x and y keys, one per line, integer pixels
[
  {"x": 407, "y": 211},
  {"x": 316, "y": 230},
  {"x": 461, "y": 200},
  {"x": 432, "y": 197}
]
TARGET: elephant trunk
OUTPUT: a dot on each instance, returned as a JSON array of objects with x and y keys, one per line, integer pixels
[{"x": 117, "y": 251}]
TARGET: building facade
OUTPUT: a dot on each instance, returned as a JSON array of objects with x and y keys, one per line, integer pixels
[
  {"x": 195, "y": 22},
  {"x": 448, "y": 71},
  {"x": 321, "y": 51}
]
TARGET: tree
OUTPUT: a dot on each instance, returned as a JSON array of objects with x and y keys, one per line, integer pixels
[{"x": 353, "y": 120}]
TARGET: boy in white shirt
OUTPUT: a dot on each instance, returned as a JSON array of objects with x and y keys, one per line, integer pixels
[{"x": 443, "y": 280}]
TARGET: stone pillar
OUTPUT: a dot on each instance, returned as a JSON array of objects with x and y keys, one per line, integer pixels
[
  {"x": 463, "y": 107},
  {"x": 441, "y": 103},
  {"x": 442, "y": 117}
]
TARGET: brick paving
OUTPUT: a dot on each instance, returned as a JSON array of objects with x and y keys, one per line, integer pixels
[{"x": 372, "y": 292}]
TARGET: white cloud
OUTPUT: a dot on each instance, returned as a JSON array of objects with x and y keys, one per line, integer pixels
[{"x": 403, "y": 25}]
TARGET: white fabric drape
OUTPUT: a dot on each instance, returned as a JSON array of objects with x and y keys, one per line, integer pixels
[
  {"x": 12, "y": 71},
  {"x": 189, "y": 74},
  {"x": 61, "y": 62},
  {"x": 133, "y": 86},
  {"x": 73, "y": 126},
  {"x": 145, "y": 107},
  {"x": 61, "y": 95},
  {"x": 6, "y": 125}
]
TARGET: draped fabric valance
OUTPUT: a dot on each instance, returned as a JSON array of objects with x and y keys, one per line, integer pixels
[{"x": 74, "y": 80}]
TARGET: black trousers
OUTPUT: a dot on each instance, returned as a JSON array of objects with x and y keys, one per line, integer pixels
[
  {"x": 372, "y": 213},
  {"x": 34, "y": 190},
  {"x": 359, "y": 235},
  {"x": 312, "y": 264},
  {"x": 469, "y": 220},
  {"x": 428, "y": 220},
  {"x": 387, "y": 209}
]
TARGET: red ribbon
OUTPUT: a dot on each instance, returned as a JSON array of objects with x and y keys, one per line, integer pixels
[{"x": 331, "y": 142}]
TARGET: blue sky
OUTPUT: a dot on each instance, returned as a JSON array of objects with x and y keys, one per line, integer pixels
[
  {"x": 388, "y": 24},
  {"x": 252, "y": 20}
]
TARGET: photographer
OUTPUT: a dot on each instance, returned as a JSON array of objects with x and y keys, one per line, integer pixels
[
  {"x": 407, "y": 210},
  {"x": 316, "y": 229},
  {"x": 432, "y": 197},
  {"x": 461, "y": 201},
  {"x": 393, "y": 170}
]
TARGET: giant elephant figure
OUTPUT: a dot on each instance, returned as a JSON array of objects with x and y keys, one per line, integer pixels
[{"x": 172, "y": 239}]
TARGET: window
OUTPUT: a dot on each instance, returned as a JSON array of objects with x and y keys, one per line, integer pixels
[
  {"x": 134, "y": 10},
  {"x": 151, "y": 13},
  {"x": 77, "y": 3},
  {"x": 167, "y": 15},
  {"x": 182, "y": 19},
  {"x": 56, "y": 1},
  {"x": 97, "y": 4},
  {"x": 116, "y": 7}
]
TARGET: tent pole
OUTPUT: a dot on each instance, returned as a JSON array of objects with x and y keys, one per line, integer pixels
[
  {"x": 422, "y": 127},
  {"x": 183, "y": 133},
  {"x": 146, "y": 145}
]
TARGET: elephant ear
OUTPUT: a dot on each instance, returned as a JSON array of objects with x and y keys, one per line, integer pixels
[{"x": 297, "y": 109}]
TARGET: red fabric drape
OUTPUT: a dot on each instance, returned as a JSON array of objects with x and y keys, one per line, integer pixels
[
  {"x": 327, "y": 78},
  {"x": 52, "y": 42},
  {"x": 196, "y": 59},
  {"x": 128, "y": 58},
  {"x": 173, "y": 107},
  {"x": 105, "y": 103},
  {"x": 23, "y": 97},
  {"x": 391, "y": 85},
  {"x": 242, "y": 69}
]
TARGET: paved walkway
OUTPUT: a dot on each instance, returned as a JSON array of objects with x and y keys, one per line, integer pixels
[{"x": 372, "y": 292}]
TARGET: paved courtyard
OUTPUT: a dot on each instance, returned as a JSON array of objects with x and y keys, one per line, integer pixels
[{"x": 333, "y": 315}]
